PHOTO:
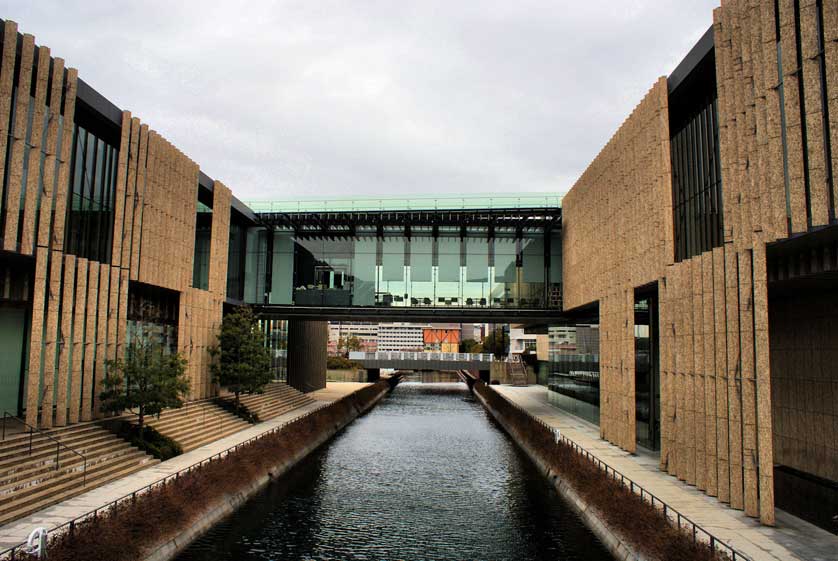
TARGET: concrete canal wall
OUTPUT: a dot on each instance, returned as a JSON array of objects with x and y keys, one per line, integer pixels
[{"x": 610, "y": 538}]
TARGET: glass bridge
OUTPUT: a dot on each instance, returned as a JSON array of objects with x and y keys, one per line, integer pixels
[{"x": 426, "y": 256}]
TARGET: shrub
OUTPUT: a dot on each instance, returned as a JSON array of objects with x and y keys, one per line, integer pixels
[
  {"x": 643, "y": 525},
  {"x": 150, "y": 441},
  {"x": 341, "y": 363}
]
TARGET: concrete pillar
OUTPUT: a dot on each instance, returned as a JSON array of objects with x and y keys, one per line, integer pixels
[
  {"x": 307, "y": 354},
  {"x": 373, "y": 374}
]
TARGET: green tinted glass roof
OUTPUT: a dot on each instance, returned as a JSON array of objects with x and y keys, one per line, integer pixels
[{"x": 417, "y": 202}]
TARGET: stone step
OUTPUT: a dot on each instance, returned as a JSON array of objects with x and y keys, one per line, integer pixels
[
  {"x": 278, "y": 398},
  {"x": 13, "y": 445},
  {"x": 197, "y": 424},
  {"x": 65, "y": 481},
  {"x": 189, "y": 423},
  {"x": 194, "y": 442},
  {"x": 12, "y": 469},
  {"x": 47, "y": 453},
  {"x": 25, "y": 505},
  {"x": 280, "y": 409},
  {"x": 56, "y": 432},
  {"x": 185, "y": 433},
  {"x": 43, "y": 474}
]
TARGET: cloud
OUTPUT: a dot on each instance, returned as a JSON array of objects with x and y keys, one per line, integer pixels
[{"x": 287, "y": 98}]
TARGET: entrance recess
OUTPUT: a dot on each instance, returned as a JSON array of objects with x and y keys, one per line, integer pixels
[{"x": 647, "y": 393}]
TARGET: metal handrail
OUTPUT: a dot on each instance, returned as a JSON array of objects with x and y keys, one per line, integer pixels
[
  {"x": 204, "y": 413},
  {"x": 58, "y": 444},
  {"x": 70, "y": 525},
  {"x": 675, "y": 517}
]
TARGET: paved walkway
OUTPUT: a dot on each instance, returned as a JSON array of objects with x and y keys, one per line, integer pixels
[
  {"x": 336, "y": 390},
  {"x": 791, "y": 539},
  {"x": 16, "y": 532}
]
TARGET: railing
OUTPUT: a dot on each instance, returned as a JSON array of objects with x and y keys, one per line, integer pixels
[
  {"x": 404, "y": 355},
  {"x": 204, "y": 414},
  {"x": 58, "y": 444},
  {"x": 70, "y": 526},
  {"x": 675, "y": 517},
  {"x": 414, "y": 202}
]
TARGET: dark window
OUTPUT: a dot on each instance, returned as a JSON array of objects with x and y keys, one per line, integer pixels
[
  {"x": 235, "y": 261},
  {"x": 696, "y": 168},
  {"x": 152, "y": 315},
  {"x": 90, "y": 205},
  {"x": 201, "y": 258}
]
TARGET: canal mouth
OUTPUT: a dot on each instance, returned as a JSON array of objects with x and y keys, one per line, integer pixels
[{"x": 427, "y": 475}]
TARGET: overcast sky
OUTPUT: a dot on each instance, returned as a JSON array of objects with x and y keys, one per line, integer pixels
[{"x": 363, "y": 97}]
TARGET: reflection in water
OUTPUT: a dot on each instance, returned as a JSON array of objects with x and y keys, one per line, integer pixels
[
  {"x": 432, "y": 377},
  {"x": 425, "y": 476}
]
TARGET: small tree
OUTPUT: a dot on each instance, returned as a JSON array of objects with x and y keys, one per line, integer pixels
[
  {"x": 496, "y": 343},
  {"x": 147, "y": 381},
  {"x": 470, "y": 346},
  {"x": 242, "y": 363},
  {"x": 348, "y": 344}
]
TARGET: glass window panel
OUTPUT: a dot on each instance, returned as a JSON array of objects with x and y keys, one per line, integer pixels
[
  {"x": 421, "y": 259},
  {"x": 556, "y": 258},
  {"x": 477, "y": 260},
  {"x": 234, "y": 272},
  {"x": 282, "y": 271},
  {"x": 505, "y": 270},
  {"x": 364, "y": 271},
  {"x": 393, "y": 259},
  {"x": 449, "y": 259},
  {"x": 254, "y": 276},
  {"x": 533, "y": 259}
]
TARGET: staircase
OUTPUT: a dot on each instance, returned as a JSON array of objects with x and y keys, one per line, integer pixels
[
  {"x": 277, "y": 399},
  {"x": 517, "y": 370},
  {"x": 30, "y": 480},
  {"x": 196, "y": 424}
]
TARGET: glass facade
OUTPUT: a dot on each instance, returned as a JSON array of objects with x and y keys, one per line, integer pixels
[
  {"x": 236, "y": 251},
  {"x": 646, "y": 373},
  {"x": 152, "y": 315},
  {"x": 15, "y": 296},
  {"x": 275, "y": 333},
  {"x": 573, "y": 379},
  {"x": 396, "y": 267},
  {"x": 89, "y": 227},
  {"x": 696, "y": 163},
  {"x": 203, "y": 236}
]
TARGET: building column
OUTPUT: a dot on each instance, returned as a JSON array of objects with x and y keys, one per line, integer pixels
[{"x": 307, "y": 342}]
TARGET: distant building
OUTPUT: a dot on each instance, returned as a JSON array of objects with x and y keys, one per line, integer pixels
[
  {"x": 445, "y": 339},
  {"x": 401, "y": 337},
  {"x": 520, "y": 342},
  {"x": 366, "y": 332}
]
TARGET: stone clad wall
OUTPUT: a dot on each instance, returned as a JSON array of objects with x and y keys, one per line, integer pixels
[
  {"x": 716, "y": 430},
  {"x": 617, "y": 235},
  {"x": 79, "y": 306}
]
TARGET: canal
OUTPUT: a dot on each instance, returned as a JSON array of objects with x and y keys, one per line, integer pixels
[{"x": 427, "y": 475}]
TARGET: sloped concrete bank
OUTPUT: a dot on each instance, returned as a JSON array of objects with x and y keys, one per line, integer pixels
[
  {"x": 618, "y": 546},
  {"x": 352, "y": 406}
]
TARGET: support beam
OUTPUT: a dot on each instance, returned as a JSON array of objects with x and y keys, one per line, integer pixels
[{"x": 307, "y": 342}]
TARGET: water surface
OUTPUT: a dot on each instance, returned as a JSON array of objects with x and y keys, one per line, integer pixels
[{"x": 426, "y": 475}]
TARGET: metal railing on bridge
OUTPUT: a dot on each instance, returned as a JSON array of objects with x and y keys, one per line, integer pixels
[{"x": 421, "y": 355}]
